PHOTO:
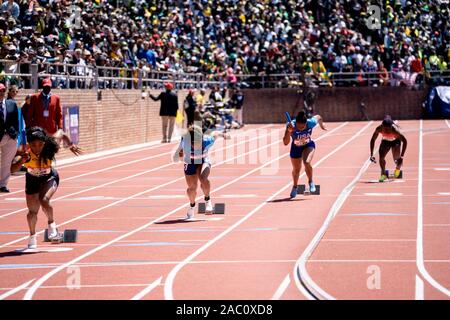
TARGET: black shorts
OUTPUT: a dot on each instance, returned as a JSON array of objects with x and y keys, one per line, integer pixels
[
  {"x": 390, "y": 144},
  {"x": 191, "y": 168},
  {"x": 35, "y": 185}
]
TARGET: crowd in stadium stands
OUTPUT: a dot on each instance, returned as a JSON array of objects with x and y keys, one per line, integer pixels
[{"x": 229, "y": 38}]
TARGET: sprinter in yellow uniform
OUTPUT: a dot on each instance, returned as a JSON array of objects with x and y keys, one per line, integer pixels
[{"x": 41, "y": 179}]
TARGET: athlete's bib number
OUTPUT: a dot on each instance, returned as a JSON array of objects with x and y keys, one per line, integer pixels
[
  {"x": 301, "y": 141},
  {"x": 37, "y": 172}
]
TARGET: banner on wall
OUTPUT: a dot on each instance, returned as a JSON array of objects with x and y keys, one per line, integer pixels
[{"x": 71, "y": 122}]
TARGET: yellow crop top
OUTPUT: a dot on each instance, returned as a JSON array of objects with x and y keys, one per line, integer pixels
[{"x": 36, "y": 167}]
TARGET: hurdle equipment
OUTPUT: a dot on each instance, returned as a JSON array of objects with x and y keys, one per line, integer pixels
[
  {"x": 301, "y": 190},
  {"x": 391, "y": 175},
  {"x": 68, "y": 236},
  {"x": 219, "y": 208}
]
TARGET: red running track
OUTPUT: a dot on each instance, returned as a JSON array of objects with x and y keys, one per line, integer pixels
[{"x": 134, "y": 244}]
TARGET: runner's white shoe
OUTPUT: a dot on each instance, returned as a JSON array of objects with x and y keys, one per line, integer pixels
[
  {"x": 208, "y": 207},
  {"x": 32, "y": 242},
  {"x": 312, "y": 187},
  {"x": 190, "y": 212},
  {"x": 307, "y": 190},
  {"x": 52, "y": 231}
]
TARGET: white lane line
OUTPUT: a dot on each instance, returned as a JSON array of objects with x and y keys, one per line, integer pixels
[
  {"x": 168, "y": 287},
  {"x": 444, "y": 193},
  {"x": 44, "y": 249},
  {"x": 147, "y": 290},
  {"x": 374, "y": 260},
  {"x": 419, "y": 247},
  {"x": 91, "y": 286},
  {"x": 15, "y": 290},
  {"x": 104, "y": 169},
  {"x": 116, "y": 152},
  {"x": 133, "y": 196},
  {"x": 138, "y": 264},
  {"x": 366, "y": 240},
  {"x": 107, "y": 154},
  {"x": 385, "y": 194},
  {"x": 442, "y": 169},
  {"x": 282, "y": 288},
  {"x": 437, "y": 225},
  {"x": 32, "y": 290},
  {"x": 302, "y": 277},
  {"x": 419, "y": 288},
  {"x": 205, "y": 262},
  {"x": 119, "y": 180},
  {"x": 237, "y": 196},
  {"x": 447, "y": 123}
]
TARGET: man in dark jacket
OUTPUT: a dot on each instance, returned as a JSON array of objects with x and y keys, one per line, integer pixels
[
  {"x": 9, "y": 128},
  {"x": 168, "y": 110},
  {"x": 190, "y": 105},
  {"x": 237, "y": 102}
]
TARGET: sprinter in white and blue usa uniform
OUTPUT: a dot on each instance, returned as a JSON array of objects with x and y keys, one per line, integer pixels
[
  {"x": 193, "y": 149},
  {"x": 302, "y": 148}
]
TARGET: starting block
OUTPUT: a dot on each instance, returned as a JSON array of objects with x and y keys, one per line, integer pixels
[
  {"x": 391, "y": 176},
  {"x": 68, "y": 236},
  {"x": 219, "y": 208},
  {"x": 301, "y": 190}
]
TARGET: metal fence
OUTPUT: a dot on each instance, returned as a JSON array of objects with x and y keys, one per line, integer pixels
[{"x": 70, "y": 76}]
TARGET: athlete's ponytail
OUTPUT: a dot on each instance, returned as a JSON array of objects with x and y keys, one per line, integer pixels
[{"x": 301, "y": 117}]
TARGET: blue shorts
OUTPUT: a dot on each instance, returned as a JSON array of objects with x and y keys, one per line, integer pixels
[
  {"x": 296, "y": 152},
  {"x": 191, "y": 168}
]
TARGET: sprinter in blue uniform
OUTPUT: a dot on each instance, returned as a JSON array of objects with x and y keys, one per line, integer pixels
[
  {"x": 193, "y": 148},
  {"x": 302, "y": 148}
]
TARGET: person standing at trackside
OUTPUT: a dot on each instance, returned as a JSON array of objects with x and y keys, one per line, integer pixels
[
  {"x": 168, "y": 110},
  {"x": 45, "y": 110},
  {"x": 200, "y": 99},
  {"x": 13, "y": 90},
  {"x": 237, "y": 102},
  {"x": 9, "y": 127},
  {"x": 190, "y": 105}
]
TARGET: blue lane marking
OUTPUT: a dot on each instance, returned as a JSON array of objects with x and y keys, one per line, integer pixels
[
  {"x": 24, "y": 266},
  {"x": 80, "y": 231},
  {"x": 377, "y": 214},
  {"x": 154, "y": 244},
  {"x": 13, "y": 232}
]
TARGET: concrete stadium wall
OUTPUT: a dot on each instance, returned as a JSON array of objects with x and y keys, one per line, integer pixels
[
  {"x": 123, "y": 118},
  {"x": 334, "y": 104}
]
